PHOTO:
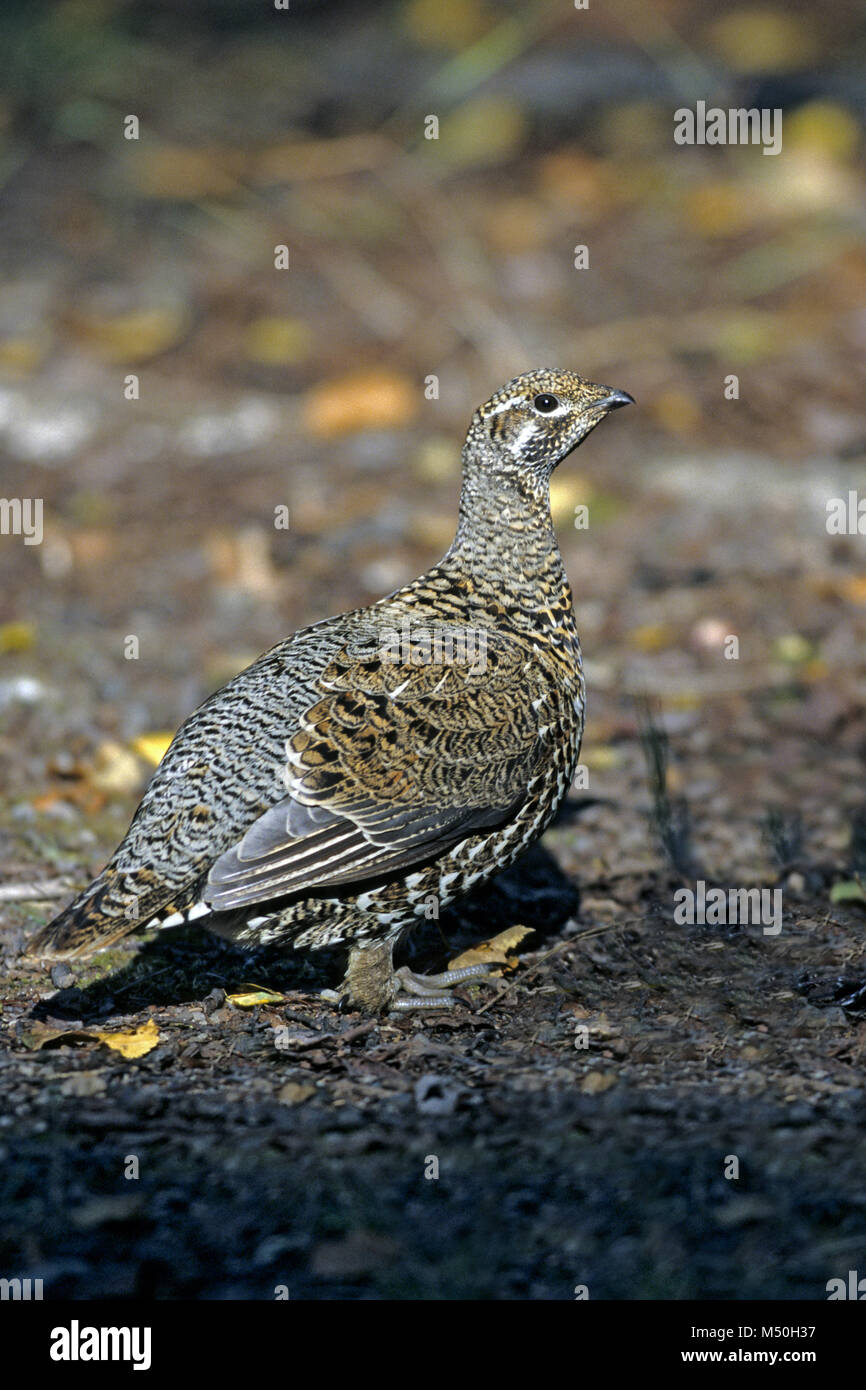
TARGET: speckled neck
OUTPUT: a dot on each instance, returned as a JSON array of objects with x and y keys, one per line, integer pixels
[{"x": 505, "y": 531}]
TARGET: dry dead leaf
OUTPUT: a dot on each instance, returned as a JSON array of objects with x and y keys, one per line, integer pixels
[{"x": 493, "y": 952}]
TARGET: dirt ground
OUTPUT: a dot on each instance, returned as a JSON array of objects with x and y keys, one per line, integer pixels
[{"x": 642, "y": 1108}]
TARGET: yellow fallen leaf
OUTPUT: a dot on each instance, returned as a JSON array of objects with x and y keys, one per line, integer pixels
[
  {"x": 847, "y": 892},
  {"x": 455, "y": 25},
  {"x": 600, "y": 757},
  {"x": 152, "y": 747},
  {"x": 295, "y": 1093},
  {"x": 747, "y": 335},
  {"x": 377, "y": 399},
  {"x": 186, "y": 172},
  {"x": 493, "y": 952},
  {"x": 251, "y": 995},
  {"x": 114, "y": 770},
  {"x": 16, "y": 637},
  {"x": 574, "y": 179},
  {"x": 276, "y": 342},
  {"x": 435, "y": 460},
  {"x": 597, "y": 1081},
  {"x": 484, "y": 131},
  {"x": 651, "y": 637},
  {"x": 683, "y": 699},
  {"x": 21, "y": 356},
  {"x": 515, "y": 226},
  {"x": 720, "y": 208},
  {"x": 793, "y": 648},
  {"x": 134, "y": 1044},
  {"x": 823, "y": 126},
  {"x": 853, "y": 587},
  {"x": 135, "y": 336},
  {"x": 566, "y": 495},
  {"x": 677, "y": 412},
  {"x": 763, "y": 39}
]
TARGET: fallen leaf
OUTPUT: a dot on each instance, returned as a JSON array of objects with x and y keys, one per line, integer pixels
[
  {"x": 484, "y": 131},
  {"x": 677, "y": 412},
  {"x": 276, "y": 342},
  {"x": 251, "y": 995},
  {"x": 597, "y": 1081},
  {"x": 566, "y": 495},
  {"x": 763, "y": 40},
  {"x": 830, "y": 130},
  {"x": 82, "y": 1084},
  {"x": 134, "y": 1044},
  {"x": 21, "y": 356},
  {"x": 377, "y": 399},
  {"x": 600, "y": 757},
  {"x": 574, "y": 179},
  {"x": 793, "y": 649},
  {"x": 720, "y": 208},
  {"x": 114, "y": 769},
  {"x": 132, "y": 337},
  {"x": 187, "y": 173},
  {"x": 651, "y": 637},
  {"x": 16, "y": 637},
  {"x": 853, "y": 588},
  {"x": 294, "y": 1093},
  {"x": 152, "y": 747},
  {"x": 493, "y": 952},
  {"x": 454, "y": 26},
  {"x": 847, "y": 892}
]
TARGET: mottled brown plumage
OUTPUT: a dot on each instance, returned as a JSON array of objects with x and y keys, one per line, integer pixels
[{"x": 387, "y": 758}]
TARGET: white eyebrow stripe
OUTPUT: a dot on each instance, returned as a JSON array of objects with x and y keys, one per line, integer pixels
[{"x": 505, "y": 405}]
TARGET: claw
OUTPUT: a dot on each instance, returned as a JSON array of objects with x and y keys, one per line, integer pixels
[
  {"x": 431, "y": 991},
  {"x": 404, "y": 1002}
]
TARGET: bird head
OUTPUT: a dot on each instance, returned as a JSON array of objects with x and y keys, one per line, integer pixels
[{"x": 533, "y": 422}]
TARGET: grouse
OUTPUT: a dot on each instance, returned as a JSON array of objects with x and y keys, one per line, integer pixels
[{"x": 374, "y": 766}]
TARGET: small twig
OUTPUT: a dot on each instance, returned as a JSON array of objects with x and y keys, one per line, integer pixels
[
  {"x": 350, "y": 1035},
  {"x": 560, "y": 946},
  {"x": 35, "y": 892}
]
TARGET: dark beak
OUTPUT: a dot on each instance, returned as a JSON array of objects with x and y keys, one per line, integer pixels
[{"x": 614, "y": 401}]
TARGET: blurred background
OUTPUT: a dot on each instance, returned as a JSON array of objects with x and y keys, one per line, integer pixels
[
  {"x": 411, "y": 257},
  {"x": 304, "y": 388}
]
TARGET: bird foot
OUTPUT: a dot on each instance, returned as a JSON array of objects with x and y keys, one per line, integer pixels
[
  {"x": 374, "y": 986},
  {"x": 432, "y": 991}
]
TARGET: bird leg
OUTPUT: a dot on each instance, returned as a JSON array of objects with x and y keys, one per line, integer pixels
[
  {"x": 431, "y": 991},
  {"x": 372, "y": 983}
]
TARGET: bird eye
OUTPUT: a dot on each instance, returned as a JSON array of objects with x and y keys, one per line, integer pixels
[{"x": 546, "y": 403}]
